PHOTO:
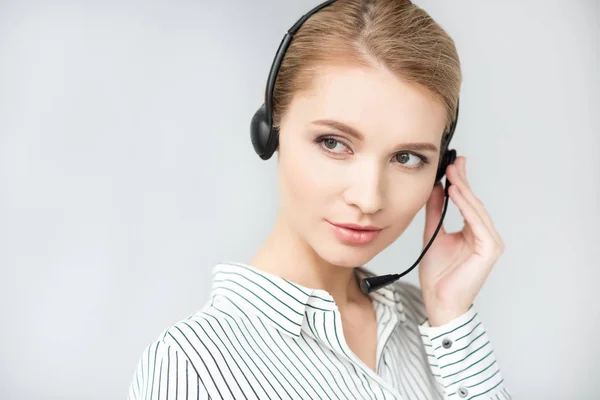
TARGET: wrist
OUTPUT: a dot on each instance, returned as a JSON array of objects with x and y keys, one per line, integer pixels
[
  {"x": 438, "y": 318},
  {"x": 441, "y": 313}
]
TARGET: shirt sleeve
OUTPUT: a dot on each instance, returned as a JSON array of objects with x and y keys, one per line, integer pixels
[
  {"x": 163, "y": 372},
  {"x": 462, "y": 360}
]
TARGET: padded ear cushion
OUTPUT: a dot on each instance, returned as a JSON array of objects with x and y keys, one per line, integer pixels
[
  {"x": 264, "y": 139},
  {"x": 448, "y": 158}
]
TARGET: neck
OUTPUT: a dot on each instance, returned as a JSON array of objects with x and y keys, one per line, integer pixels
[{"x": 287, "y": 255}]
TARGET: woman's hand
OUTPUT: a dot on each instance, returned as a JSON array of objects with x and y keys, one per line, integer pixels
[{"x": 457, "y": 264}]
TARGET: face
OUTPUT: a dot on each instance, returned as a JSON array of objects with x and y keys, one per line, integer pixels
[{"x": 361, "y": 148}]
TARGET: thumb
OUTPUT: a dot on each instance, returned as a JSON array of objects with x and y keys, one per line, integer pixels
[{"x": 433, "y": 212}]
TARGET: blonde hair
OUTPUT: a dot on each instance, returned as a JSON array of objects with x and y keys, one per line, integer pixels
[{"x": 395, "y": 34}]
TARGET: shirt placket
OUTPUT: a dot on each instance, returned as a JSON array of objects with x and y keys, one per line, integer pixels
[
  {"x": 326, "y": 328},
  {"x": 386, "y": 324}
]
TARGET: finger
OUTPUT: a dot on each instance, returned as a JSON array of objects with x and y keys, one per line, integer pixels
[
  {"x": 474, "y": 200},
  {"x": 433, "y": 211},
  {"x": 485, "y": 215},
  {"x": 459, "y": 178},
  {"x": 472, "y": 218},
  {"x": 462, "y": 168}
]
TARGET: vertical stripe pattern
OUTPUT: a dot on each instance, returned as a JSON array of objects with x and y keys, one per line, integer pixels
[{"x": 262, "y": 337}]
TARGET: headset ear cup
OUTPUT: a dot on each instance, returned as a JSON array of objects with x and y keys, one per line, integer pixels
[
  {"x": 448, "y": 158},
  {"x": 261, "y": 132},
  {"x": 441, "y": 167}
]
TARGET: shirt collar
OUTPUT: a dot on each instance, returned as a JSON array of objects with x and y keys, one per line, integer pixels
[{"x": 278, "y": 301}]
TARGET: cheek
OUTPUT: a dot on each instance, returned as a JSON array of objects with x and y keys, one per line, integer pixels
[
  {"x": 309, "y": 175},
  {"x": 404, "y": 205},
  {"x": 304, "y": 189}
]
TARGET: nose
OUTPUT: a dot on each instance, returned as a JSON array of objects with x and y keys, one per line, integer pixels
[{"x": 365, "y": 189}]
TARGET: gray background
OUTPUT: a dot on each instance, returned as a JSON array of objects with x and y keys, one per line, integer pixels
[{"x": 126, "y": 173}]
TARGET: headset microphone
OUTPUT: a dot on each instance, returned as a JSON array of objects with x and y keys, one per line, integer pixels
[{"x": 265, "y": 139}]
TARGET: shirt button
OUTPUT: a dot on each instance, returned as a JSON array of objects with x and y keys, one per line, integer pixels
[
  {"x": 462, "y": 392},
  {"x": 446, "y": 343}
]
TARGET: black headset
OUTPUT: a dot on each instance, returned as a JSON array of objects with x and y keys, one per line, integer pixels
[{"x": 265, "y": 139}]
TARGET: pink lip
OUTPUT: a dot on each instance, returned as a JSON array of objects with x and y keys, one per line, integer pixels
[{"x": 355, "y": 234}]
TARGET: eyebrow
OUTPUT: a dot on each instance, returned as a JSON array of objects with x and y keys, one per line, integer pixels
[{"x": 340, "y": 126}]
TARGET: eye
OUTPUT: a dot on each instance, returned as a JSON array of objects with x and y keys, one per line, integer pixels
[
  {"x": 410, "y": 160},
  {"x": 331, "y": 144}
]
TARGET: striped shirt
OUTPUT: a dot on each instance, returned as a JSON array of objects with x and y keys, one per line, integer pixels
[{"x": 260, "y": 336}]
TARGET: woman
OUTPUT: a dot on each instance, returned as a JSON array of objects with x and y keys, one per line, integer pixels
[{"x": 361, "y": 101}]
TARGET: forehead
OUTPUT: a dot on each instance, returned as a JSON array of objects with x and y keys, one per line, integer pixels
[{"x": 374, "y": 101}]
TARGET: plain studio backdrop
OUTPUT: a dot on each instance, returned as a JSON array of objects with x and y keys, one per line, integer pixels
[{"x": 127, "y": 172}]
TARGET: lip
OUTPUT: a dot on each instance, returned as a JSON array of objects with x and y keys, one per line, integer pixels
[
  {"x": 355, "y": 234},
  {"x": 358, "y": 227}
]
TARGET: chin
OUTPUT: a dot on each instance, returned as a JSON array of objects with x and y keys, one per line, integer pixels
[{"x": 343, "y": 255}]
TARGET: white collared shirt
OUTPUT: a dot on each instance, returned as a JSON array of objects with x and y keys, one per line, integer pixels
[{"x": 263, "y": 337}]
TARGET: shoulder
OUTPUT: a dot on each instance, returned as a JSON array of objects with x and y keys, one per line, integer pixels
[
  {"x": 194, "y": 338},
  {"x": 175, "y": 355},
  {"x": 202, "y": 331},
  {"x": 218, "y": 326}
]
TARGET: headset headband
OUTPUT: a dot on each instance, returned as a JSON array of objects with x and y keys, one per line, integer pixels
[{"x": 283, "y": 46}]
